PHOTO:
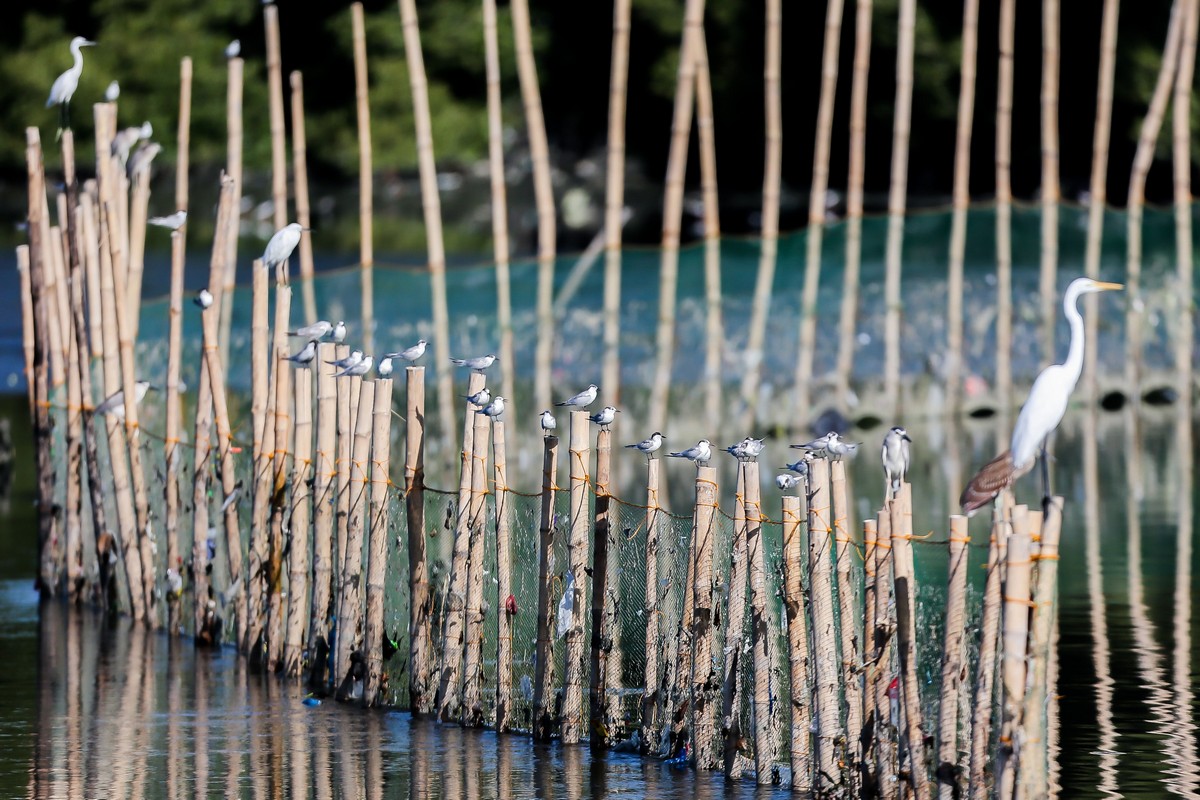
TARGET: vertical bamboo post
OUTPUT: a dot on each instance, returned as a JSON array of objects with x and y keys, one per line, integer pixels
[
  {"x": 27, "y": 335},
  {"x": 714, "y": 335},
  {"x": 1051, "y": 194},
  {"x": 826, "y": 672},
  {"x": 577, "y": 562},
  {"x": 362, "y": 95},
  {"x": 954, "y": 664},
  {"x": 136, "y": 254},
  {"x": 1181, "y": 160},
  {"x": 794, "y": 516},
  {"x": 867, "y": 772},
  {"x": 851, "y": 643},
  {"x": 233, "y": 169},
  {"x": 679, "y": 683},
  {"x": 174, "y": 414},
  {"x": 349, "y": 617},
  {"x": 614, "y": 201},
  {"x": 652, "y": 697},
  {"x": 346, "y": 407},
  {"x": 543, "y": 683},
  {"x": 420, "y": 602},
  {"x": 51, "y": 237},
  {"x": 91, "y": 261},
  {"x": 705, "y": 740},
  {"x": 962, "y": 199},
  {"x": 904, "y": 574},
  {"x": 431, "y": 204},
  {"x": 543, "y": 189},
  {"x": 74, "y": 568},
  {"x": 605, "y": 650},
  {"x": 500, "y": 244},
  {"x": 681, "y": 126},
  {"x": 476, "y": 524},
  {"x": 1035, "y": 717},
  {"x": 300, "y": 181},
  {"x": 813, "y": 236},
  {"x": 1017, "y": 600},
  {"x": 735, "y": 628},
  {"x": 301, "y": 506},
  {"x": 259, "y": 393},
  {"x": 886, "y": 772},
  {"x": 275, "y": 97},
  {"x": 282, "y": 372},
  {"x": 504, "y": 589},
  {"x": 381, "y": 456},
  {"x": 324, "y": 494},
  {"x": 981, "y": 725},
  {"x": 766, "y": 629},
  {"x": 1004, "y": 102}
]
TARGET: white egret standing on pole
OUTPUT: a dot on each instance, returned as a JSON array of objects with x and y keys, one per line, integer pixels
[
  {"x": 280, "y": 247},
  {"x": 65, "y": 84}
]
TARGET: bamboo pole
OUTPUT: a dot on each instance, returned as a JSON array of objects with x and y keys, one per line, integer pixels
[
  {"x": 604, "y": 669},
  {"x": 543, "y": 684},
  {"x": 886, "y": 767},
  {"x": 71, "y": 562},
  {"x": 362, "y": 94},
  {"x": 577, "y": 563},
  {"x": 848, "y": 603},
  {"x": 826, "y": 670},
  {"x": 500, "y": 243},
  {"x": 765, "y": 630},
  {"x": 56, "y": 289},
  {"x": 136, "y": 255},
  {"x": 91, "y": 260},
  {"x": 174, "y": 418},
  {"x": 260, "y": 394},
  {"x": 769, "y": 238},
  {"x": 420, "y": 601},
  {"x": 1181, "y": 160},
  {"x": 614, "y": 201},
  {"x": 1004, "y": 104},
  {"x": 543, "y": 189},
  {"x": 301, "y": 514},
  {"x": 349, "y": 617},
  {"x": 794, "y": 516},
  {"x": 681, "y": 126},
  {"x": 904, "y": 574},
  {"x": 381, "y": 458},
  {"x": 714, "y": 334},
  {"x": 300, "y": 180},
  {"x": 324, "y": 495},
  {"x": 1051, "y": 195},
  {"x": 233, "y": 171},
  {"x": 275, "y": 97},
  {"x": 504, "y": 589},
  {"x": 867, "y": 773},
  {"x": 954, "y": 664},
  {"x": 1017, "y": 601},
  {"x": 735, "y": 634},
  {"x": 652, "y": 698},
  {"x": 27, "y": 337},
  {"x": 472, "y": 713},
  {"x": 816, "y": 209},
  {"x": 981, "y": 725},
  {"x": 962, "y": 200},
  {"x": 1035, "y": 717},
  {"x": 346, "y": 406},
  {"x": 702, "y": 704},
  {"x": 281, "y": 419}
]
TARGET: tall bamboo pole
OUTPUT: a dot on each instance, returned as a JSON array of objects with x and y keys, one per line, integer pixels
[
  {"x": 543, "y": 683},
  {"x": 301, "y": 508},
  {"x": 652, "y": 699},
  {"x": 71, "y": 562},
  {"x": 826, "y": 672},
  {"x": 577, "y": 563},
  {"x": 346, "y": 407},
  {"x": 300, "y": 180},
  {"x": 614, "y": 200},
  {"x": 714, "y": 335},
  {"x": 233, "y": 171},
  {"x": 1015, "y": 637},
  {"x": 91, "y": 260},
  {"x": 1004, "y": 104},
  {"x": 504, "y": 590},
  {"x": 962, "y": 199},
  {"x": 816, "y": 209},
  {"x": 1051, "y": 194},
  {"x": 881, "y": 674},
  {"x": 794, "y": 516},
  {"x": 420, "y": 601},
  {"x": 349, "y": 618},
  {"x": 981, "y": 726},
  {"x": 278, "y": 134},
  {"x": 135, "y": 256},
  {"x": 259, "y": 398},
  {"x": 539, "y": 154},
  {"x": 1033, "y": 771},
  {"x": 324, "y": 495},
  {"x": 51, "y": 236},
  {"x": 765, "y": 630},
  {"x": 366, "y": 248},
  {"x": 431, "y": 204},
  {"x": 954, "y": 665},
  {"x": 281, "y": 419},
  {"x": 871, "y": 674},
  {"x": 174, "y": 415},
  {"x": 381, "y": 455},
  {"x": 604, "y": 668},
  {"x": 476, "y": 523},
  {"x": 1181, "y": 160},
  {"x": 701, "y": 630},
  {"x": 735, "y": 627},
  {"x": 845, "y": 550},
  {"x": 904, "y": 573}
]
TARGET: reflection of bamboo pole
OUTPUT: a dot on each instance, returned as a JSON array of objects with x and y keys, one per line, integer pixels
[
  {"x": 981, "y": 726},
  {"x": 845, "y": 550},
  {"x": 1033, "y": 759},
  {"x": 605, "y": 650},
  {"x": 1004, "y": 101},
  {"x": 962, "y": 198},
  {"x": 381, "y": 455},
  {"x": 1015, "y": 638},
  {"x": 543, "y": 684},
  {"x": 349, "y": 618},
  {"x": 816, "y": 208},
  {"x": 504, "y": 616},
  {"x": 303, "y": 214},
  {"x": 324, "y": 495},
  {"x": 275, "y": 96},
  {"x": 700, "y": 626},
  {"x": 365, "y": 208},
  {"x": 1051, "y": 195},
  {"x": 953, "y": 663},
  {"x": 681, "y": 126},
  {"x": 826, "y": 672},
  {"x": 476, "y": 523},
  {"x": 652, "y": 699},
  {"x": 713, "y": 327},
  {"x": 765, "y": 630},
  {"x": 301, "y": 508},
  {"x": 431, "y": 204},
  {"x": 854, "y": 203},
  {"x": 614, "y": 200},
  {"x": 543, "y": 189},
  {"x": 420, "y": 601},
  {"x": 577, "y": 563},
  {"x": 904, "y": 575},
  {"x": 233, "y": 168},
  {"x": 1181, "y": 620},
  {"x": 794, "y": 515}
]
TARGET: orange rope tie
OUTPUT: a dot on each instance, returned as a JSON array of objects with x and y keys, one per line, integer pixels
[
  {"x": 1024, "y": 563},
  {"x": 1021, "y": 601},
  {"x": 966, "y": 539},
  {"x": 1045, "y": 557}
]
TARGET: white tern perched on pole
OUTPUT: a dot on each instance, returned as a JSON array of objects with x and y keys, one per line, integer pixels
[
  {"x": 411, "y": 354},
  {"x": 480, "y": 398},
  {"x": 583, "y": 399},
  {"x": 305, "y": 356},
  {"x": 348, "y": 361},
  {"x": 115, "y": 403},
  {"x": 357, "y": 370},
  {"x": 173, "y": 221},
  {"x": 314, "y": 332},
  {"x": 649, "y": 445},
  {"x": 493, "y": 409},
  {"x": 478, "y": 364},
  {"x": 700, "y": 454},
  {"x": 549, "y": 423},
  {"x": 605, "y": 416},
  {"x": 897, "y": 455}
]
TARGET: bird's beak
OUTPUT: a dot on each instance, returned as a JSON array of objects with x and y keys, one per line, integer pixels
[
  {"x": 88, "y": 44},
  {"x": 907, "y": 438},
  {"x": 1108, "y": 287}
]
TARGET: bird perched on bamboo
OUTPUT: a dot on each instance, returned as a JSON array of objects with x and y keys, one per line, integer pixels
[
  {"x": 358, "y": 369},
  {"x": 171, "y": 221},
  {"x": 831, "y": 445},
  {"x": 1042, "y": 412},
  {"x": 897, "y": 455},
  {"x": 306, "y": 354},
  {"x": 548, "y": 422},
  {"x": 139, "y": 162},
  {"x": 65, "y": 85},
  {"x": 124, "y": 140},
  {"x": 314, "y": 331},
  {"x": 605, "y": 416},
  {"x": 112, "y": 92},
  {"x": 411, "y": 354},
  {"x": 114, "y": 404},
  {"x": 339, "y": 332},
  {"x": 282, "y": 243},
  {"x": 747, "y": 449},
  {"x": 480, "y": 398},
  {"x": 581, "y": 400},
  {"x": 493, "y": 409},
  {"x": 700, "y": 454},
  {"x": 203, "y": 299},
  {"x": 650, "y": 445},
  {"x": 384, "y": 368},
  {"x": 349, "y": 361},
  {"x": 479, "y": 364}
]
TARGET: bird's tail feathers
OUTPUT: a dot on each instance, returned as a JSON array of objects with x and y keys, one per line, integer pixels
[
  {"x": 992, "y": 478},
  {"x": 461, "y": 362}
]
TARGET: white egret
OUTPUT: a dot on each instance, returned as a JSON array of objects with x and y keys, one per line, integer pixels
[
  {"x": 1042, "y": 412},
  {"x": 897, "y": 455},
  {"x": 279, "y": 248},
  {"x": 65, "y": 85}
]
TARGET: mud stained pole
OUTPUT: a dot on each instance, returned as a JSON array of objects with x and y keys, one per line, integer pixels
[
  {"x": 381, "y": 457},
  {"x": 350, "y": 617},
  {"x": 275, "y": 96},
  {"x": 504, "y": 615},
  {"x": 233, "y": 169},
  {"x": 849, "y": 615},
  {"x": 577, "y": 563},
  {"x": 420, "y": 602},
  {"x": 714, "y": 335},
  {"x": 904, "y": 574},
  {"x": 706, "y": 741},
  {"x": 765, "y": 630},
  {"x": 826, "y": 670},
  {"x": 1004, "y": 104},
  {"x": 981, "y": 725},
  {"x": 366, "y": 251},
  {"x": 605, "y": 648},
  {"x": 324, "y": 495},
  {"x": 543, "y": 684},
  {"x": 476, "y": 528},
  {"x": 279, "y": 455},
  {"x": 1051, "y": 194},
  {"x": 300, "y": 180},
  {"x": 735, "y": 628},
  {"x": 302, "y": 499},
  {"x": 614, "y": 201},
  {"x": 652, "y": 697},
  {"x": 954, "y": 664},
  {"x": 794, "y": 516}
]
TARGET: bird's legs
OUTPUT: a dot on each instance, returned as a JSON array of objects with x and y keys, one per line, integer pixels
[{"x": 1044, "y": 458}]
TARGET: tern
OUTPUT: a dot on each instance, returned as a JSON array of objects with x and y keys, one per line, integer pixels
[
  {"x": 411, "y": 354},
  {"x": 314, "y": 332},
  {"x": 649, "y": 445},
  {"x": 339, "y": 333},
  {"x": 115, "y": 403},
  {"x": 897, "y": 455},
  {"x": 549, "y": 423},
  {"x": 233, "y": 49},
  {"x": 357, "y": 370},
  {"x": 747, "y": 449},
  {"x": 203, "y": 298},
  {"x": 384, "y": 368},
  {"x": 305, "y": 356},
  {"x": 830, "y": 445},
  {"x": 124, "y": 140},
  {"x": 785, "y": 482},
  {"x": 493, "y": 409},
  {"x": 480, "y": 398},
  {"x": 605, "y": 416},
  {"x": 173, "y": 221},
  {"x": 801, "y": 465},
  {"x": 348, "y": 361},
  {"x": 479, "y": 364},
  {"x": 112, "y": 92},
  {"x": 139, "y": 162},
  {"x": 700, "y": 454},
  {"x": 583, "y": 399}
]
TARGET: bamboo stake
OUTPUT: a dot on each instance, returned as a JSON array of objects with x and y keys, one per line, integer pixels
[
  {"x": 303, "y": 214},
  {"x": 614, "y": 201},
  {"x": 420, "y": 602},
  {"x": 1004, "y": 103},
  {"x": 735, "y": 634},
  {"x": 281, "y": 419},
  {"x": 1181, "y": 159},
  {"x": 183, "y": 136},
  {"x": 275, "y": 96},
  {"x": 847, "y": 321},
  {"x": 1051, "y": 194},
  {"x": 1015, "y": 638},
  {"x": 885, "y": 731},
  {"x": 577, "y": 563},
  {"x": 681, "y": 126},
  {"x": 259, "y": 394},
  {"x": 816, "y": 208},
  {"x": 476, "y": 523},
  {"x": 365, "y": 212},
  {"x": 954, "y": 665},
  {"x": 346, "y": 402},
  {"x": 851, "y": 643},
  {"x": 543, "y": 189},
  {"x": 826, "y": 670},
  {"x": 56, "y": 288},
  {"x": 765, "y": 628},
  {"x": 714, "y": 334},
  {"x": 500, "y": 245},
  {"x": 381, "y": 457},
  {"x": 652, "y": 698},
  {"x": 174, "y": 418},
  {"x": 27, "y": 335},
  {"x": 349, "y": 617},
  {"x": 1035, "y": 717},
  {"x": 201, "y": 583},
  {"x": 324, "y": 495},
  {"x": 981, "y": 726},
  {"x": 91, "y": 260},
  {"x": 302, "y": 498},
  {"x": 702, "y": 704},
  {"x": 867, "y": 772},
  {"x": 794, "y": 515},
  {"x": 906, "y": 624},
  {"x": 604, "y": 669},
  {"x": 233, "y": 171},
  {"x": 71, "y": 562},
  {"x": 962, "y": 199},
  {"x": 543, "y": 683},
  {"x": 679, "y": 681},
  {"x": 136, "y": 255},
  {"x": 504, "y": 590},
  {"x": 431, "y": 204}
]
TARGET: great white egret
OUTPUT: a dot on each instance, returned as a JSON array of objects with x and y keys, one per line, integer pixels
[
  {"x": 1043, "y": 410},
  {"x": 65, "y": 85},
  {"x": 897, "y": 455}
]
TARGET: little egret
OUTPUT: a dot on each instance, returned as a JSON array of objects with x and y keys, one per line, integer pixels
[
  {"x": 65, "y": 85},
  {"x": 1043, "y": 410},
  {"x": 280, "y": 247}
]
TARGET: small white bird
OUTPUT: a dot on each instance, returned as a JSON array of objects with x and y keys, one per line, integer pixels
[
  {"x": 785, "y": 482},
  {"x": 700, "y": 454},
  {"x": 493, "y": 409},
  {"x": 583, "y": 399},
  {"x": 649, "y": 445},
  {"x": 314, "y": 332},
  {"x": 65, "y": 85},
  {"x": 348, "y": 361},
  {"x": 897, "y": 455},
  {"x": 233, "y": 49},
  {"x": 139, "y": 162},
  {"x": 305, "y": 356},
  {"x": 112, "y": 92},
  {"x": 384, "y": 368},
  {"x": 478, "y": 364},
  {"x": 339, "y": 333},
  {"x": 124, "y": 140},
  {"x": 605, "y": 416},
  {"x": 480, "y": 398},
  {"x": 830, "y": 445},
  {"x": 411, "y": 354},
  {"x": 747, "y": 449},
  {"x": 115, "y": 403},
  {"x": 173, "y": 221},
  {"x": 203, "y": 298},
  {"x": 279, "y": 248},
  {"x": 549, "y": 423},
  {"x": 357, "y": 370}
]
